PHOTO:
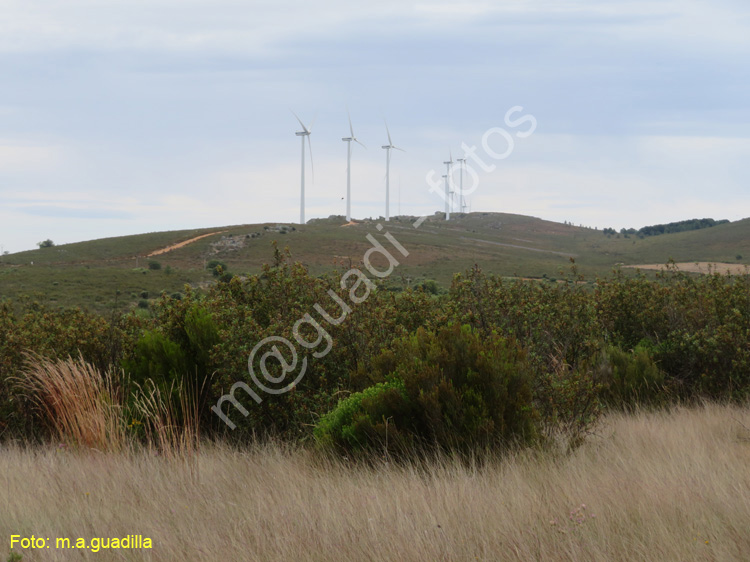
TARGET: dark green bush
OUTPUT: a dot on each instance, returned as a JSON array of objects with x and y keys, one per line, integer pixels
[
  {"x": 216, "y": 267},
  {"x": 154, "y": 265},
  {"x": 369, "y": 420},
  {"x": 429, "y": 286},
  {"x": 630, "y": 377},
  {"x": 177, "y": 353},
  {"x": 463, "y": 393}
]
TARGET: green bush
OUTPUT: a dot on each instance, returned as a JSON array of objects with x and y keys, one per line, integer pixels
[
  {"x": 568, "y": 399},
  {"x": 216, "y": 267},
  {"x": 154, "y": 265},
  {"x": 361, "y": 421},
  {"x": 630, "y": 377},
  {"x": 463, "y": 393},
  {"x": 176, "y": 354},
  {"x": 429, "y": 286}
]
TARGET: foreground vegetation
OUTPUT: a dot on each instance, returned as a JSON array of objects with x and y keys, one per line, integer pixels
[
  {"x": 497, "y": 420},
  {"x": 490, "y": 365},
  {"x": 667, "y": 486}
]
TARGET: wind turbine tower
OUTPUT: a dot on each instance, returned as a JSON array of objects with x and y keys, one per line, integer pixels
[
  {"x": 348, "y": 140},
  {"x": 447, "y": 209},
  {"x": 387, "y": 149},
  {"x": 448, "y": 195},
  {"x": 462, "y": 200},
  {"x": 305, "y": 132}
]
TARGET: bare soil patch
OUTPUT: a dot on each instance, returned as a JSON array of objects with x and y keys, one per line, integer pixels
[
  {"x": 698, "y": 267},
  {"x": 183, "y": 244}
]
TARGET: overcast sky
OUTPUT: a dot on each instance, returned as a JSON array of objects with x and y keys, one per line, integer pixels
[{"x": 122, "y": 117}]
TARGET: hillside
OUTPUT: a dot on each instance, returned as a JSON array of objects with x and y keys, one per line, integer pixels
[{"x": 114, "y": 272}]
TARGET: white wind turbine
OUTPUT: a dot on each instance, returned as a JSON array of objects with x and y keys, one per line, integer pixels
[
  {"x": 448, "y": 194},
  {"x": 348, "y": 140},
  {"x": 462, "y": 200},
  {"x": 305, "y": 132},
  {"x": 388, "y": 148}
]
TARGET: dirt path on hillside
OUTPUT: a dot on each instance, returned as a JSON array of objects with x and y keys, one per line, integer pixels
[
  {"x": 183, "y": 244},
  {"x": 697, "y": 267}
]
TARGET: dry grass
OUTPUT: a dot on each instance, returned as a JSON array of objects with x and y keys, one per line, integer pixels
[
  {"x": 81, "y": 405},
  {"x": 171, "y": 429},
  {"x": 85, "y": 408},
  {"x": 665, "y": 486},
  {"x": 698, "y": 267}
]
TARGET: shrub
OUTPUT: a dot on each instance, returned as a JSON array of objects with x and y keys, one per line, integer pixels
[
  {"x": 176, "y": 356},
  {"x": 463, "y": 393},
  {"x": 630, "y": 378},
  {"x": 216, "y": 267},
  {"x": 154, "y": 265},
  {"x": 429, "y": 286},
  {"x": 361, "y": 421},
  {"x": 568, "y": 400}
]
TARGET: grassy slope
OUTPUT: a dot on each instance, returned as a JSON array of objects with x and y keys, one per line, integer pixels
[
  {"x": 90, "y": 273},
  {"x": 662, "y": 486}
]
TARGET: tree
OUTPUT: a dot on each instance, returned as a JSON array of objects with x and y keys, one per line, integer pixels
[{"x": 46, "y": 244}]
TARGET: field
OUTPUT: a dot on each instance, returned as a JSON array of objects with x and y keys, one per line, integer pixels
[
  {"x": 699, "y": 267},
  {"x": 669, "y": 486},
  {"x": 108, "y": 274},
  {"x": 524, "y": 362}
]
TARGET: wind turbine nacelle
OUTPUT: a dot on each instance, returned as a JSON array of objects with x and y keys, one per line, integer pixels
[
  {"x": 301, "y": 133},
  {"x": 389, "y": 146},
  {"x": 348, "y": 139}
]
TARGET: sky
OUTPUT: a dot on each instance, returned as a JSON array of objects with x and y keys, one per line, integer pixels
[{"x": 124, "y": 117}]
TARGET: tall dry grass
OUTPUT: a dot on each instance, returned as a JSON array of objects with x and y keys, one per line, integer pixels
[
  {"x": 171, "y": 428},
  {"x": 82, "y": 406},
  {"x": 669, "y": 486}
]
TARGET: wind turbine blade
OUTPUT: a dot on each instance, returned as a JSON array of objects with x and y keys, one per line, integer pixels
[
  {"x": 390, "y": 142},
  {"x": 312, "y": 166},
  {"x": 351, "y": 129},
  {"x": 451, "y": 156},
  {"x": 397, "y": 148},
  {"x": 359, "y": 143},
  {"x": 300, "y": 122},
  {"x": 312, "y": 123}
]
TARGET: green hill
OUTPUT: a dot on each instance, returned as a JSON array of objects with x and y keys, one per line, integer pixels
[{"x": 114, "y": 272}]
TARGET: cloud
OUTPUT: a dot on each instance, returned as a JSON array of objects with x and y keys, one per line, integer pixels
[
  {"x": 68, "y": 212},
  {"x": 16, "y": 157}
]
